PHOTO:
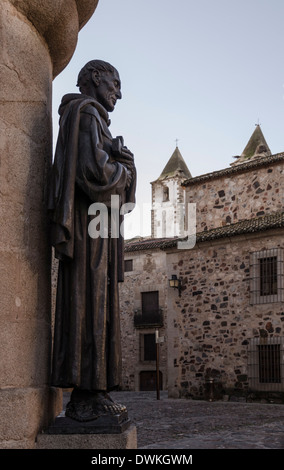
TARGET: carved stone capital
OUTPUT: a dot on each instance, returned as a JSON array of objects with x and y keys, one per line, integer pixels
[{"x": 58, "y": 22}]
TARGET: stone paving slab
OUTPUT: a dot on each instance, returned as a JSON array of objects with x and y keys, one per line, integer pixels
[{"x": 189, "y": 424}]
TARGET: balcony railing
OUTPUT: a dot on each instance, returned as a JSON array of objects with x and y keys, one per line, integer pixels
[{"x": 148, "y": 320}]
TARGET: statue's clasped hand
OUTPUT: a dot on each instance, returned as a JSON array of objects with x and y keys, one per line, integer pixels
[{"x": 124, "y": 156}]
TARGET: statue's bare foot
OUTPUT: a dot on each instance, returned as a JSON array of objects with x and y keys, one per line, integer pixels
[
  {"x": 117, "y": 408},
  {"x": 103, "y": 401},
  {"x": 88, "y": 406}
]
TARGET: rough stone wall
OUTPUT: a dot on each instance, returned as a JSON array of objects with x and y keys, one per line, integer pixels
[
  {"x": 228, "y": 199},
  {"x": 149, "y": 274},
  {"x": 212, "y": 321}
]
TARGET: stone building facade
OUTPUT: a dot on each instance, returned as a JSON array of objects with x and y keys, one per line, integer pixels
[
  {"x": 224, "y": 326},
  {"x": 242, "y": 192},
  {"x": 146, "y": 275},
  {"x": 215, "y": 319}
]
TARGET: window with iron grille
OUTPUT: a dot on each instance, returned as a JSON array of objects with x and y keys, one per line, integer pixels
[
  {"x": 266, "y": 276},
  {"x": 265, "y": 364},
  {"x": 269, "y": 363}
]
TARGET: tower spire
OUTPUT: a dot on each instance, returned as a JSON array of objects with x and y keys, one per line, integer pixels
[
  {"x": 255, "y": 148},
  {"x": 175, "y": 163}
]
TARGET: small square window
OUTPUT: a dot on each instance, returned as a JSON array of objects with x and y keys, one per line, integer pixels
[{"x": 128, "y": 265}]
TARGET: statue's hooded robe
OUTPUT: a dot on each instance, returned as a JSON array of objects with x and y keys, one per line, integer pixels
[{"x": 86, "y": 351}]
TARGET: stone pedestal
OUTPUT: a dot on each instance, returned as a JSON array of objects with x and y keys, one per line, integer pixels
[
  {"x": 37, "y": 40},
  {"x": 116, "y": 424},
  {"x": 125, "y": 440},
  {"x": 65, "y": 433}
]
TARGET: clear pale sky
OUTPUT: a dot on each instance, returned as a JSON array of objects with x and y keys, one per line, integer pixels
[{"x": 201, "y": 71}]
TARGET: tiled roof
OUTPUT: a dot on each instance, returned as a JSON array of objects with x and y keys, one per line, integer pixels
[
  {"x": 147, "y": 244},
  {"x": 258, "y": 224},
  {"x": 240, "y": 168}
]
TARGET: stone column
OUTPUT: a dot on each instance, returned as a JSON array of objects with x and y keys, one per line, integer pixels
[{"x": 38, "y": 38}]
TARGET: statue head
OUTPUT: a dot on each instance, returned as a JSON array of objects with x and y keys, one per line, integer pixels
[{"x": 100, "y": 80}]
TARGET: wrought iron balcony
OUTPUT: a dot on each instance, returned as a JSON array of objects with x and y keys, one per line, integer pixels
[{"x": 148, "y": 320}]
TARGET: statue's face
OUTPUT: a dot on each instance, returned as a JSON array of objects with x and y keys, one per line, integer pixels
[{"x": 108, "y": 90}]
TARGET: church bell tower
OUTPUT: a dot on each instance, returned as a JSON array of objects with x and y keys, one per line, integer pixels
[{"x": 168, "y": 198}]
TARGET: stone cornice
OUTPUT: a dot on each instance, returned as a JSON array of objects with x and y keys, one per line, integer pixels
[
  {"x": 249, "y": 226},
  {"x": 241, "y": 168},
  {"x": 58, "y": 22}
]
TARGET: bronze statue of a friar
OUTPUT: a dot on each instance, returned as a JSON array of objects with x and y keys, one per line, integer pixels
[{"x": 89, "y": 167}]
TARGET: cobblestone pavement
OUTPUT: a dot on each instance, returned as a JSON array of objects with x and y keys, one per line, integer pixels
[{"x": 189, "y": 424}]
